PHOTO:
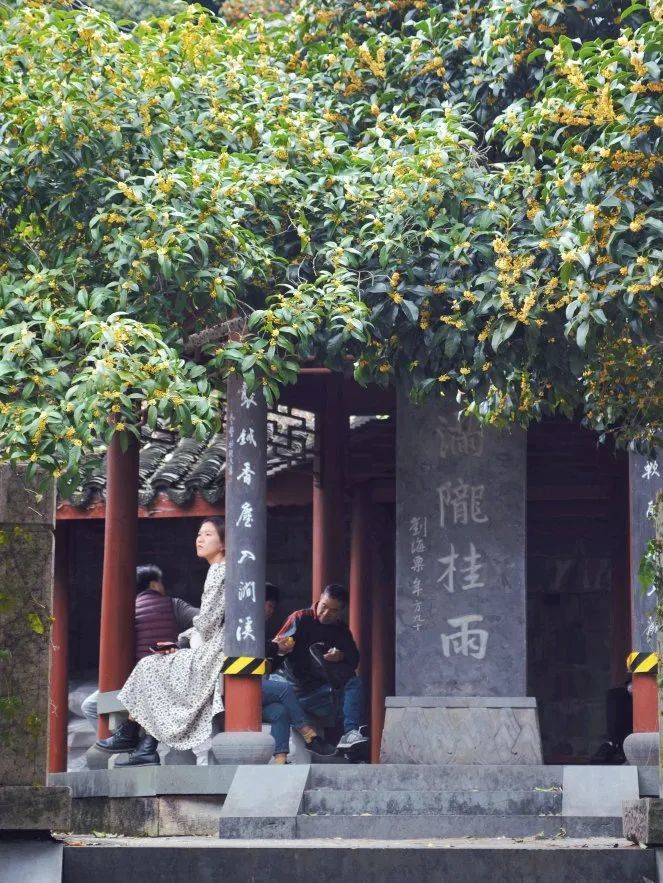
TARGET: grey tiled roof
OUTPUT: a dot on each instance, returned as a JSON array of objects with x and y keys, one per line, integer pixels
[{"x": 183, "y": 468}]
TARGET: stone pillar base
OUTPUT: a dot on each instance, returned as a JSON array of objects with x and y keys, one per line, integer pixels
[
  {"x": 457, "y": 730},
  {"x": 241, "y": 748},
  {"x": 641, "y": 749},
  {"x": 643, "y": 821}
]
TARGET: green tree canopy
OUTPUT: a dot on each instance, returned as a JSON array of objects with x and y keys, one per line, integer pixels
[{"x": 462, "y": 198}]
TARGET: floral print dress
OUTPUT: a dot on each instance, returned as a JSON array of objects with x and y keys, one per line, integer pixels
[{"x": 175, "y": 697}]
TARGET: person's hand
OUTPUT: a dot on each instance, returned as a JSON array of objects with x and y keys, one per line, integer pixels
[
  {"x": 285, "y": 643},
  {"x": 167, "y": 648},
  {"x": 334, "y": 655}
]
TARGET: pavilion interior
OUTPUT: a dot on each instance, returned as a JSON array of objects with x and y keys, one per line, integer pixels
[{"x": 577, "y": 563}]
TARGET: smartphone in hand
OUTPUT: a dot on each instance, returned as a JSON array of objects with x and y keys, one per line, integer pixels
[{"x": 160, "y": 646}]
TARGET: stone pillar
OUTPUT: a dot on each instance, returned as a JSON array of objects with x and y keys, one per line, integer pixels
[
  {"x": 329, "y": 558},
  {"x": 246, "y": 521},
  {"x": 59, "y": 707},
  {"x": 461, "y": 652},
  {"x": 27, "y": 522},
  {"x": 645, "y": 482}
]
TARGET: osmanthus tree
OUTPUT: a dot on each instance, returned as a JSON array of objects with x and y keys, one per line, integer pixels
[{"x": 461, "y": 198}]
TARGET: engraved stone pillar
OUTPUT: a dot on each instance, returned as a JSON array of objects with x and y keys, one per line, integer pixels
[
  {"x": 645, "y": 482},
  {"x": 246, "y": 517},
  {"x": 461, "y": 654}
]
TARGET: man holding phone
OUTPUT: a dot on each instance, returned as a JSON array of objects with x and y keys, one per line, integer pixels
[{"x": 317, "y": 654}]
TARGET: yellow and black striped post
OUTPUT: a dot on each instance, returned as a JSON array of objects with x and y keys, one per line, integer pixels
[
  {"x": 642, "y": 663},
  {"x": 244, "y": 665}
]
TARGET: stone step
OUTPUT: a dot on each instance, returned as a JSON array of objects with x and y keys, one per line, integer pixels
[
  {"x": 417, "y": 826},
  {"x": 183, "y": 858},
  {"x": 475, "y": 802},
  {"x": 416, "y": 777}
]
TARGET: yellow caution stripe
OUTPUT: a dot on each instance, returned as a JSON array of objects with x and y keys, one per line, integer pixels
[
  {"x": 244, "y": 665},
  {"x": 642, "y": 663}
]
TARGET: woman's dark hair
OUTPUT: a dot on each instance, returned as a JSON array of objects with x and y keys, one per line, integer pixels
[
  {"x": 337, "y": 593},
  {"x": 272, "y": 593},
  {"x": 219, "y": 525},
  {"x": 146, "y": 574}
]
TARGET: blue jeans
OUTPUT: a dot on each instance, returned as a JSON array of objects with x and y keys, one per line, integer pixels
[
  {"x": 281, "y": 709},
  {"x": 347, "y": 703}
]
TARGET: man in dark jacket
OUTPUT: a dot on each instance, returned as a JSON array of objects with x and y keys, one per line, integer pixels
[{"x": 316, "y": 653}]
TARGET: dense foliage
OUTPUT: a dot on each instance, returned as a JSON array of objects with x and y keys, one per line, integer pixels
[{"x": 461, "y": 197}]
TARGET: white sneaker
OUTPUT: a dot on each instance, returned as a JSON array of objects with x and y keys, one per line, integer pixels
[{"x": 352, "y": 739}]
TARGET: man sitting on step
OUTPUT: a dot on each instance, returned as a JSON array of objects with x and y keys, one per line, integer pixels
[{"x": 316, "y": 653}]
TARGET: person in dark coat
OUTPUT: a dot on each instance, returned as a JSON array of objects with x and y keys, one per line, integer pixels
[{"x": 316, "y": 653}]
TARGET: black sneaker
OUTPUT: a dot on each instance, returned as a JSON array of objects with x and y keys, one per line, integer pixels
[
  {"x": 124, "y": 739},
  {"x": 319, "y": 746},
  {"x": 353, "y": 739}
]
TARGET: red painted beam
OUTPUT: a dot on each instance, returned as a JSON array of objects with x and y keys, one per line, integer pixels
[
  {"x": 360, "y": 574},
  {"x": 118, "y": 588}
]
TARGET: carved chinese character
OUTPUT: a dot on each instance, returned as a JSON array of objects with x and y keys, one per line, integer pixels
[
  {"x": 247, "y": 401},
  {"x": 461, "y": 503},
  {"x": 247, "y": 590},
  {"x": 466, "y": 641},
  {"x": 247, "y": 437},
  {"x": 417, "y": 564},
  {"x": 246, "y": 474},
  {"x": 464, "y": 438},
  {"x": 246, "y": 555},
  {"x": 245, "y": 515},
  {"x": 244, "y": 630}
]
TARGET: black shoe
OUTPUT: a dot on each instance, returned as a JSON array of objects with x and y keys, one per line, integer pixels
[
  {"x": 144, "y": 755},
  {"x": 320, "y": 747},
  {"x": 124, "y": 739}
]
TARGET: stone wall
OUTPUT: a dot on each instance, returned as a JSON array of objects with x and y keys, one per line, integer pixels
[{"x": 26, "y": 583}]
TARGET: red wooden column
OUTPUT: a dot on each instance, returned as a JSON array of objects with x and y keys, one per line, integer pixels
[
  {"x": 59, "y": 687},
  {"x": 360, "y": 574},
  {"x": 118, "y": 586},
  {"x": 329, "y": 554}
]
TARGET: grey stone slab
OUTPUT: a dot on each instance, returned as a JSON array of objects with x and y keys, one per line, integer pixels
[
  {"x": 598, "y": 790},
  {"x": 267, "y": 828},
  {"x": 183, "y": 816},
  {"x": 194, "y": 780},
  {"x": 390, "y": 827},
  {"x": 462, "y": 735},
  {"x": 643, "y": 821},
  {"x": 43, "y": 808},
  {"x": 648, "y": 781},
  {"x": 107, "y": 702},
  {"x": 449, "y": 777},
  {"x": 333, "y": 861},
  {"x": 460, "y": 554},
  {"x": 266, "y": 791},
  {"x": 128, "y": 816},
  {"x": 460, "y": 702},
  {"x": 31, "y": 861},
  {"x": 430, "y": 802}
]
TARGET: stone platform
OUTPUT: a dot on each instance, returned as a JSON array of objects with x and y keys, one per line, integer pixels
[{"x": 597, "y": 860}]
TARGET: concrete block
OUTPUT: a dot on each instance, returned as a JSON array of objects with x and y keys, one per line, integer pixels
[
  {"x": 42, "y": 808},
  {"x": 460, "y": 702},
  {"x": 148, "y": 781},
  {"x": 643, "y": 821},
  {"x": 598, "y": 790},
  {"x": 329, "y": 800},
  {"x": 242, "y": 748},
  {"x": 449, "y": 777},
  {"x": 461, "y": 734},
  {"x": 196, "y": 780},
  {"x": 272, "y": 828},
  {"x": 108, "y": 701},
  {"x": 258, "y": 791},
  {"x": 31, "y": 861},
  {"x": 197, "y": 816},
  {"x": 97, "y": 759},
  {"x": 130, "y": 816},
  {"x": 641, "y": 749},
  {"x": 649, "y": 781}
]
